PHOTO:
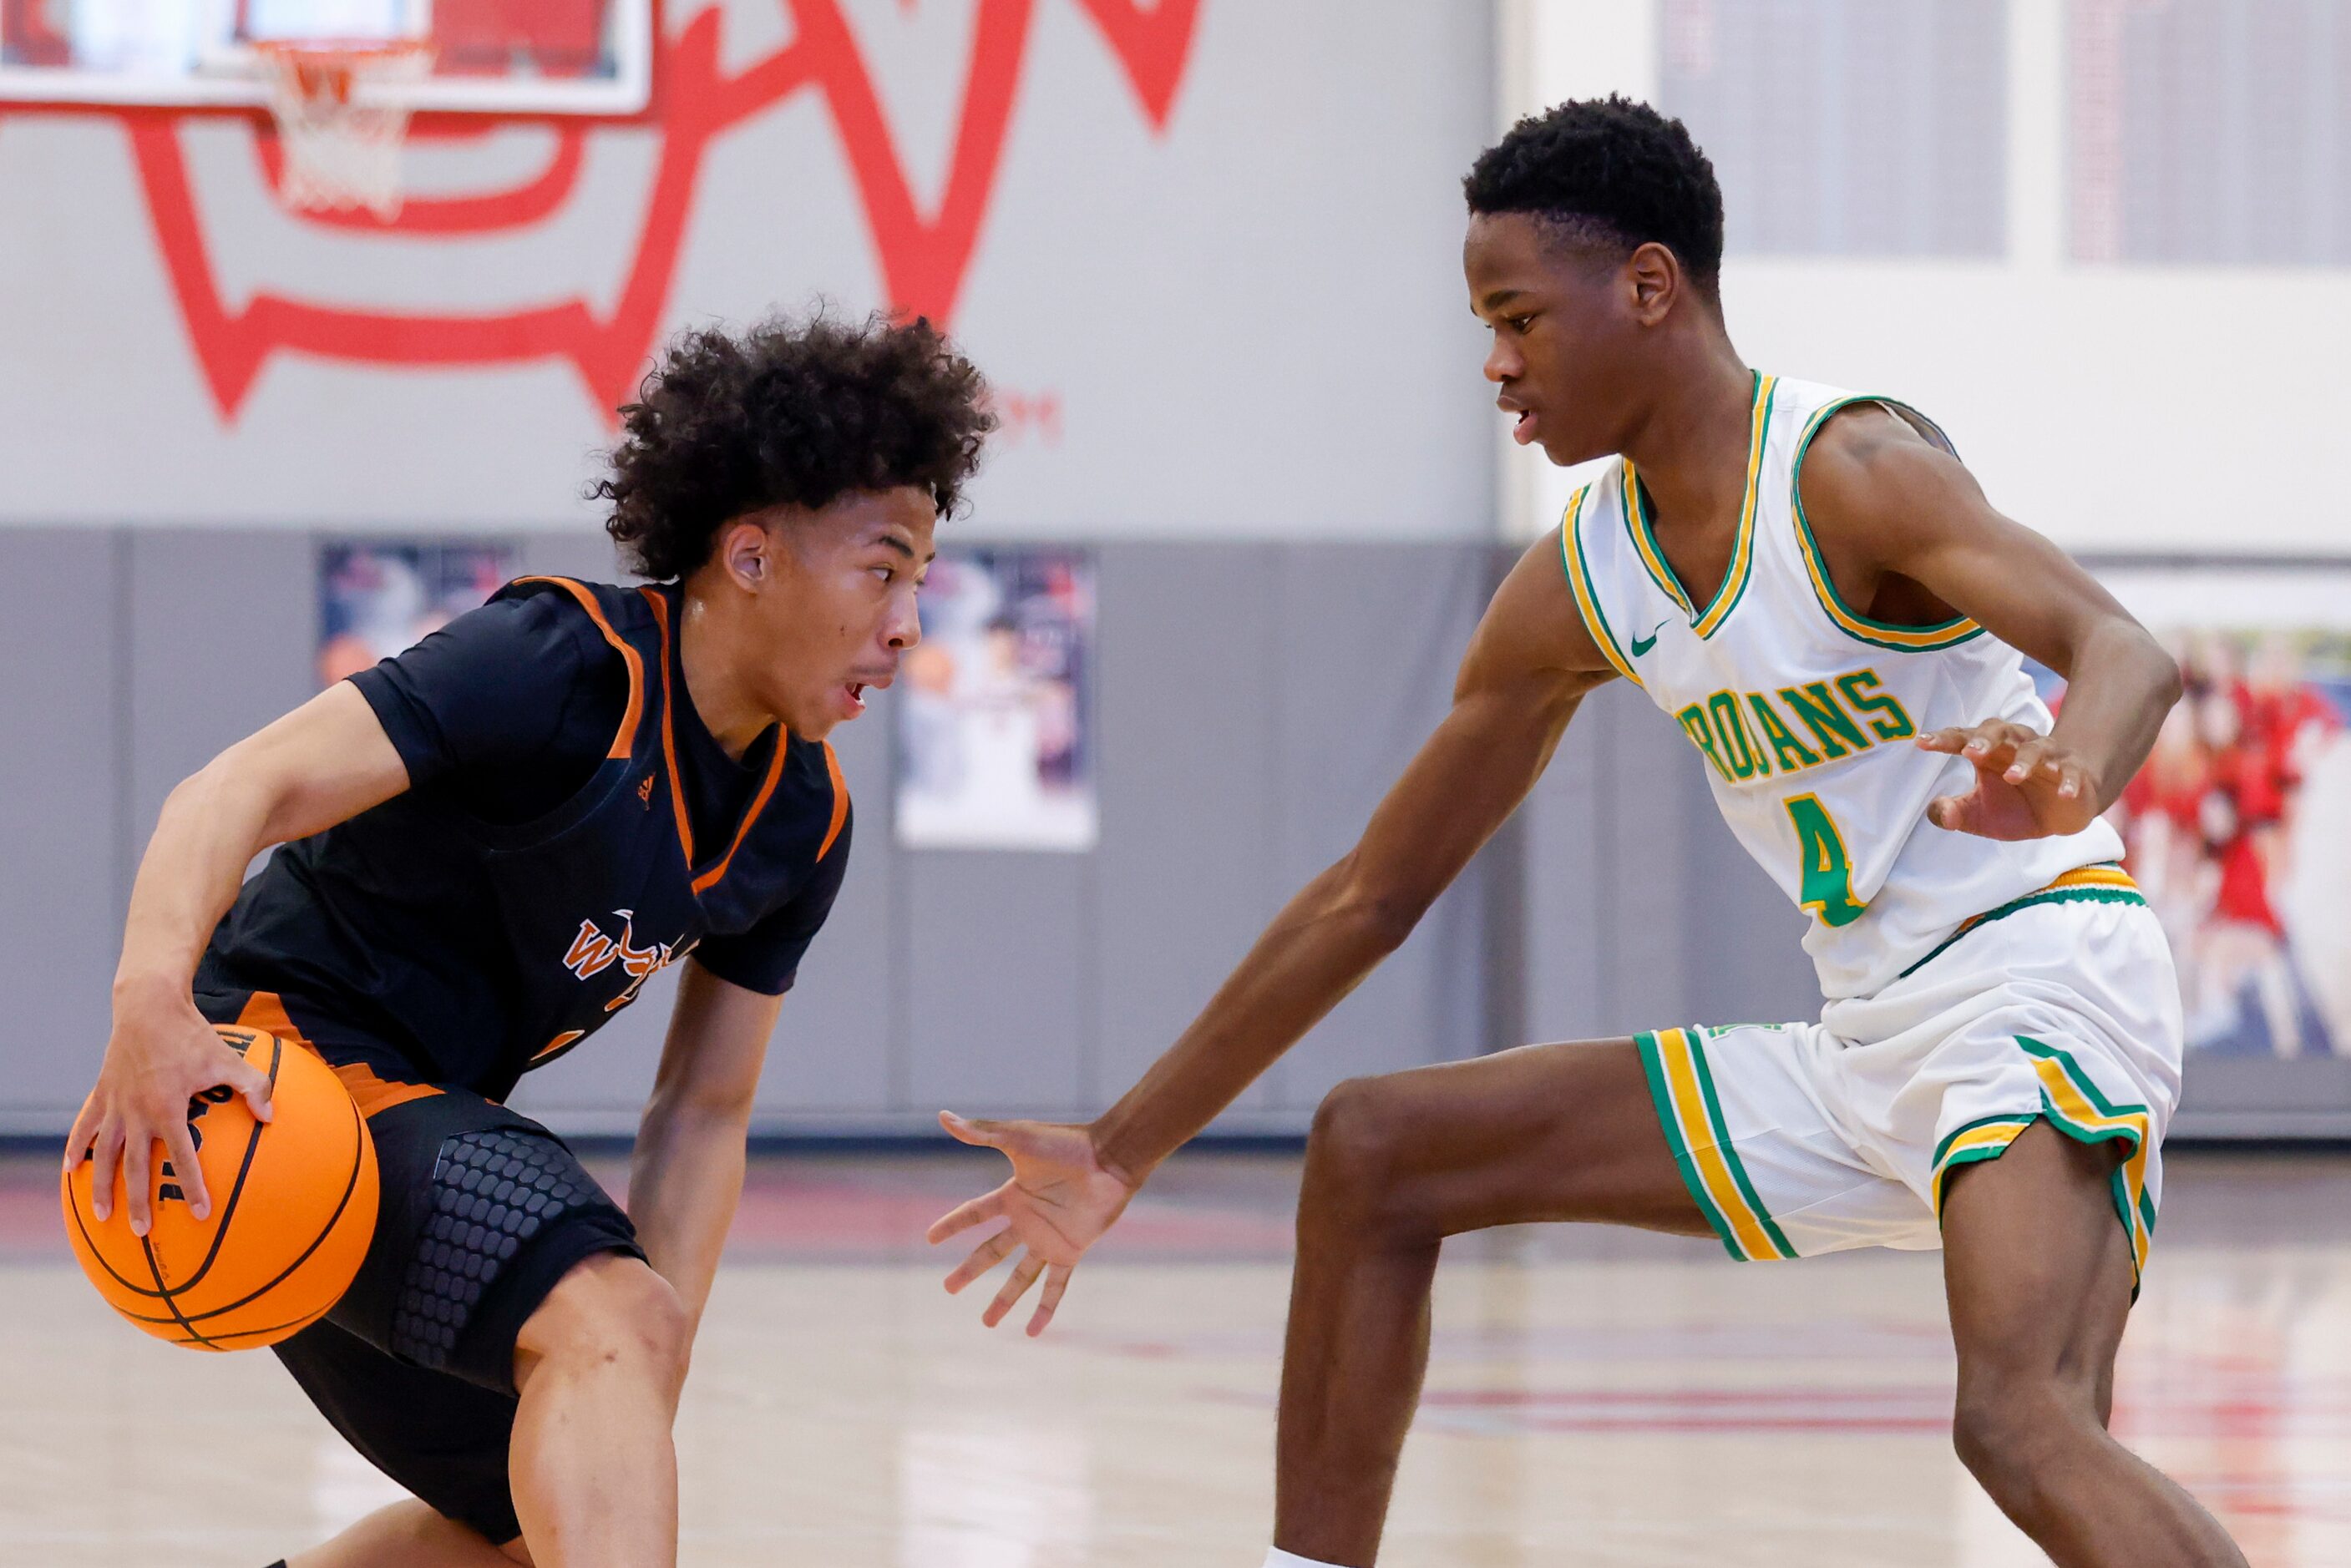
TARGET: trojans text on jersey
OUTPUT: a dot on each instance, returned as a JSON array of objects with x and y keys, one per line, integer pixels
[{"x": 1746, "y": 735}]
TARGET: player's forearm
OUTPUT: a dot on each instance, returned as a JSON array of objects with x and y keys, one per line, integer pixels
[
  {"x": 210, "y": 829},
  {"x": 2121, "y": 685},
  {"x": 1507, "y": 718},
  {"x": 686, "y": 1181},
  {"x": 323, "y": 763},
  {"x": 1319, "y": 949}
]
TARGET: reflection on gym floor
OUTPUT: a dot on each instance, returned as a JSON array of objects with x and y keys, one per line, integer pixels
[{"x": 1595, "y": 1397}]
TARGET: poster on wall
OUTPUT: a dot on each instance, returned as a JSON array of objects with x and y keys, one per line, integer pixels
[
  {"x": 994, "y": 751},
  {"x": 378, "y": 598},
  {"x": 2238, "y": 828}
]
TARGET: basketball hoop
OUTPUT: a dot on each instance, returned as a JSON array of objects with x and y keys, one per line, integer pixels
[{"x": 343, "y": 110}]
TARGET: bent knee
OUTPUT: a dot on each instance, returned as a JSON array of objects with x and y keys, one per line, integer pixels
[
  {"x": 610, "y": 1310},
  {"x": 1354, "y": 1152},
  {"x": 2005, "y": 1429}
]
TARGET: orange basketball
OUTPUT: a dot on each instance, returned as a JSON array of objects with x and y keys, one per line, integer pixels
[{"x": 293, "y": 1210}]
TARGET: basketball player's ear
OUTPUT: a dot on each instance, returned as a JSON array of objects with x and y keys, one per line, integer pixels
[
  {"x": 1656, "y": 279},
  {"x": 747, "y": 553}
]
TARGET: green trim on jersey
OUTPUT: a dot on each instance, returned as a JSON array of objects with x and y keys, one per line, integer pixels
[
  {"x": 1741, "y": 570},
  {"x": 1579, "y": 586},
  {"x": 1645, "y": 540},
  {"x": 1852, "y": 622}
]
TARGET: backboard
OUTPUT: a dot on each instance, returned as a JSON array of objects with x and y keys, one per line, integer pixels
[{"x": 591, "y": 57}]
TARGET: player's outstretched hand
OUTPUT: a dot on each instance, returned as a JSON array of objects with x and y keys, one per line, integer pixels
[
  {"x": 1059, "y": 1198},
  {"x": 2027, "y": 787},
  {"x": 159, "y": 1060}
]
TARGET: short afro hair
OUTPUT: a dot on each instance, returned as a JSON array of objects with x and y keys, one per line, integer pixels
[
  {"x": 1608, "y": 171},
  {"x": 788, "y": 413}
]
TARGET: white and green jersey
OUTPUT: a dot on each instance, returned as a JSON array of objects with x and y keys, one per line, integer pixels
[{"x": 1804, "y": 709}]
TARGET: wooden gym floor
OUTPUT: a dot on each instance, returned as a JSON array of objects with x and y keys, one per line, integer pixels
[{"x": 1596, "y": 1398}]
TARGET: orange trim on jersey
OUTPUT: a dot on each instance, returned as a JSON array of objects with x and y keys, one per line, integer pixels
[
  {"x": 266, "y": 1010},
  {"x": 373, "y": 1094},
  {"x": 624, "y": 740},
  {"x": 840, "y": 802},
  {"x": 669, "y": 744},
  {"x": 557, "y": 1046},
  {"x": 759, "y": 804}
]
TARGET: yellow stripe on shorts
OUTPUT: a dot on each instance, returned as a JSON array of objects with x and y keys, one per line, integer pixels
[
  {"x": 2071, "y": 1103},
  {"x": 2077, "y": 1108},
  {"x": 1682, "y": 1084},
  {"x": 1984, "y": 1139}
]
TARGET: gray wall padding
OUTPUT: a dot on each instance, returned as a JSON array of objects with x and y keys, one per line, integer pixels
[
  {"x": 1253, "y": 702},
  {"x": 64, "y": 865},
  {"x": 1643, "y": 911}
]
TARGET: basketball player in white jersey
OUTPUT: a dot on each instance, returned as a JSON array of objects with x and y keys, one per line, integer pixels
[{"x": 1814, "y": 590}]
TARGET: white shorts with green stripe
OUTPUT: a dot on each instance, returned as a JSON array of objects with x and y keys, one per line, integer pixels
[{"x": 1813, "y": 1137}]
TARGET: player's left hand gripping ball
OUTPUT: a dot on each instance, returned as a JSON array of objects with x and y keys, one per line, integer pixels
[{"x": 293, "y": 1210}]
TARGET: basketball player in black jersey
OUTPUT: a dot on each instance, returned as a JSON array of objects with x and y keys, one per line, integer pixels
[{"x": 490, "y": 843}]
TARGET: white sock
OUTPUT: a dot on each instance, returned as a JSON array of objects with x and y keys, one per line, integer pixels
[{"x": 1275, "y": 1557}]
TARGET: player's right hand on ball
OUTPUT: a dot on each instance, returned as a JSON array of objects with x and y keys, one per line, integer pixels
[
  {"x": 1059, "y": 1200},
  {"x": 160, "y": 1057}
]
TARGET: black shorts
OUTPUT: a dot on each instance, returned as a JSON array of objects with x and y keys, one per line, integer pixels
[{"x": 483, "y": 1211}]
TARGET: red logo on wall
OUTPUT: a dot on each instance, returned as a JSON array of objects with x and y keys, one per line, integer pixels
[{"x": 924, "y": 260}]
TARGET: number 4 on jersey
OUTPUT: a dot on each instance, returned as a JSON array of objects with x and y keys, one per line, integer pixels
[{"x": 1827, "y": 888}]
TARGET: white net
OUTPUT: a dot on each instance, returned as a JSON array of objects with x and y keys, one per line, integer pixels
[{"x": 343, "y": 114}]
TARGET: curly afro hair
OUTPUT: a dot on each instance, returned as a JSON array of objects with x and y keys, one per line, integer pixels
[
  {"x": 788, "y": 413},
  {"x": 1612, "y": 171}
]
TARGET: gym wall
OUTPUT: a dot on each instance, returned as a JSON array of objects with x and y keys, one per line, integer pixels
[
  {"x": 1253, "y": 702},
  {"x": 1207, "y": 254},
  {"x": 1208, "y": 250},
  {"x": 2102, "y": 243}
]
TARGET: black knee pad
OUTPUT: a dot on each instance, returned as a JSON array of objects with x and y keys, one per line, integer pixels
[
  {"x": 493, "y": 1194},
  {"x": 484, "y": 1212}
]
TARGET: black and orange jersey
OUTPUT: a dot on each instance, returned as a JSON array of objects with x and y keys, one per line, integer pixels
[{"x": 571, "y": 829}]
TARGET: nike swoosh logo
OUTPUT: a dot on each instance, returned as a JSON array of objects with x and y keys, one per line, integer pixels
[{"x": 1641, "y": 645}]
